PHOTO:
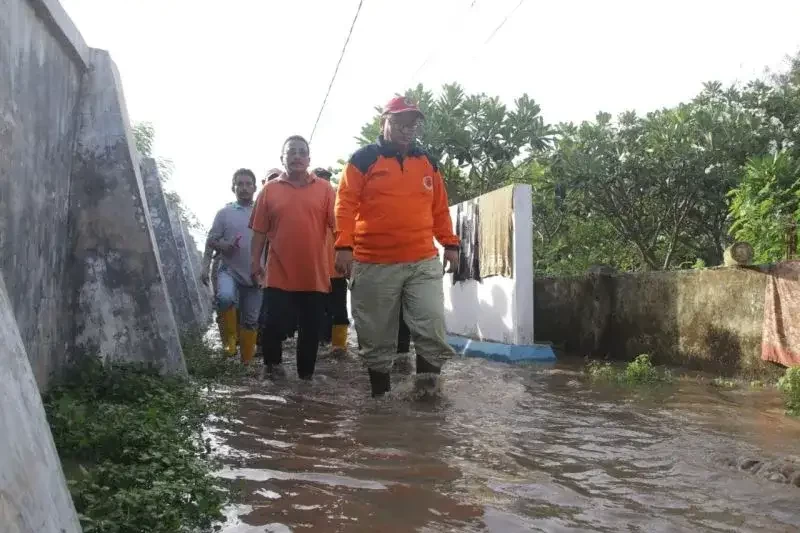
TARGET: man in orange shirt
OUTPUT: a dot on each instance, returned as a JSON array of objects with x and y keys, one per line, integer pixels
[
  {"x": 390, "y": 206},
  {"x": 295, "y": 213}
]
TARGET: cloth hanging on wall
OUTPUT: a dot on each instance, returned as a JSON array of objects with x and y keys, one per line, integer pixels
[
  {"x": 780, "y": 342},
  {"x": 467, "y": 221},
  {"x": 495, "y": 233}
]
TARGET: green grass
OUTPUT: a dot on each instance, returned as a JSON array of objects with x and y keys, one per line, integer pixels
[
  {"x": 789, "y": 385},
  {"x": 640, "y": 371},
  {"x": 130, "y": 442}
]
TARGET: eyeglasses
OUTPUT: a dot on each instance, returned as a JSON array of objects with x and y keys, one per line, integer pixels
[{"x": 398, "y": 123}]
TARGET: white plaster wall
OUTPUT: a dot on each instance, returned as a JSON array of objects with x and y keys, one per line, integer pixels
[{"x": 498, "y": 309}]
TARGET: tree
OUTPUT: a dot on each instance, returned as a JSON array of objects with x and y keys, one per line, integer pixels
[{"x": 766, "y": 206}]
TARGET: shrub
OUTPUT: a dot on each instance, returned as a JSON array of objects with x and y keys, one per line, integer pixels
[
  {"x": 637, "y": 372},
  {"x": 131, "y": 444},
  {"x": 600, "y": 371},
  {"x": 789, "y": 385},
  {"x": 208, "y": 363}
]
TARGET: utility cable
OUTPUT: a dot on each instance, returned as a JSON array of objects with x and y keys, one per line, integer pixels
[
  {"x": 438, "y": 48},
  {"x": 336, "y": 70},
  {"x": 497, "y": 29}
]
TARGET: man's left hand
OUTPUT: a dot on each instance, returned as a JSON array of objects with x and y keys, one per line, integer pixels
[{"x": 451, "y": 259}]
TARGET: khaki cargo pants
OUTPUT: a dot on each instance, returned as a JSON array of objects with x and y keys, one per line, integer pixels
[{"x": 377, "y": 293}]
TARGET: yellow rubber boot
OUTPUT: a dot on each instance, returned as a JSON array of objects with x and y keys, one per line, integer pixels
[
  {"x": 247, "y": 344},
  {"x": 339, "y": 339},
  {"x": 228, "y": 321}
]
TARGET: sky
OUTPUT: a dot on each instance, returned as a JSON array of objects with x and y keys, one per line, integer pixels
[{"x": 225, "y": 82}]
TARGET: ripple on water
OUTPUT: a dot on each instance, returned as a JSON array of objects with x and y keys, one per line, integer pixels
[
  {"x": 332, "y": 480},
  {"x": 266, "y": 398}
]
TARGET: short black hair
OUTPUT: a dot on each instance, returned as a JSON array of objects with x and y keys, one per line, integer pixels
[
  {"x": 295, "y": 138},
  {"x": 243, "y": 172},
  {"x": 323, "y": 173}
]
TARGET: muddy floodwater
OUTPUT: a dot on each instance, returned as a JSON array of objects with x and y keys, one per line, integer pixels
[{"x": 507, "y": 449}]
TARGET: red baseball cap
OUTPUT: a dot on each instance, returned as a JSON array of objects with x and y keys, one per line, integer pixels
[{"x": 401, "y": 104}]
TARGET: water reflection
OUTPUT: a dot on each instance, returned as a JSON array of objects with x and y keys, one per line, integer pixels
[{"x": 507, "y": 449}]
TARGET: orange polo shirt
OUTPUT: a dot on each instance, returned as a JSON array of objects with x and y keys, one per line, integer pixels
[
  {"x": 296, "y": 219},
  {"x": 390, "y": 208}
]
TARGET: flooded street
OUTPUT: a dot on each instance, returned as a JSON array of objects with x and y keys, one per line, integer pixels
[{"x": 506, "y": 449}]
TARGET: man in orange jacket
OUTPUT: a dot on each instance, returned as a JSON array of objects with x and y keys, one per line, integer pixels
[{"x": 390, "y": 206}]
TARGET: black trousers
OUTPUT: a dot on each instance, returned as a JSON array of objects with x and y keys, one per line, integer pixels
[{"x": 285, "y": 310}]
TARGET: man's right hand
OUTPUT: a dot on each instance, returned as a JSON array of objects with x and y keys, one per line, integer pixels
[
  {"x": 344, "y": 262},
  {"x": 257, "y": 272}
]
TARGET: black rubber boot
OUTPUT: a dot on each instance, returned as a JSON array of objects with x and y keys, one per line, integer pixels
[
  {"x": 380, "y": 382},
  {"x": 424, "y": 367}
]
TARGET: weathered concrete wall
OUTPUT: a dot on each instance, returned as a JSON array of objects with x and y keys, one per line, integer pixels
[
  {"x": 187, "y": 252},
  {"x": 41, "y": 66},
  {"x": 33, "y": 493},
  {"x": 703, "y": 319},
  {"x": 185, "y": 304},
  {"x": 122, "y": 308},
  {"x": 196, "y": 256}
]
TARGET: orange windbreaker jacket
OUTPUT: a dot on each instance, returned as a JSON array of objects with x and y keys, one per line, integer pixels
[{"x": 389, "y": 207}]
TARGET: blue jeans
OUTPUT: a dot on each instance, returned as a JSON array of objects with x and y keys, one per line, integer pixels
[{"x": 232, "y": 293}]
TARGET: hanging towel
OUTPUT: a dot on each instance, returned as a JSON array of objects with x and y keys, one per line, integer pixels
[
  {"x": 780, "y": 341},
  {"x": 495, "y": 237},
  {"x": 467, "y": 231}
]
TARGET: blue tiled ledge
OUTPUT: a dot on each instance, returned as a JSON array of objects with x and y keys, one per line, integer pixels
[{"x": 497, "y": 351}]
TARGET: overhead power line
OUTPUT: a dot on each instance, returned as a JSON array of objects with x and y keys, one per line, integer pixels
[
  {"x": 438, "y": 48},
  {"x": 499, "y": 27},
  {"x": 336, "y": 70}
]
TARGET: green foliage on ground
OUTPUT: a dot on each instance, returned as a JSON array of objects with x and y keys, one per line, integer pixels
[
  {"x": 208, "y": 364},
  {"x": 131, "y": 445},
  {"x": 789, "y": 385},
  {"x": 667, "y": 189},
  {"x": 640, "y": 371}
]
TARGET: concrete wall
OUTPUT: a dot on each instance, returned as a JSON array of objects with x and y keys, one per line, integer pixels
[
  {"x": 497, "y": 308},
  {"x": 185, "y": 304},
  {"x": 196, "y": 257},
  {"x": 40, "y": 81},
  {"x": 122, "y": 308},
  {"x": 33, "y": 493},
  {"x": 704, "y": 319},
  {"x": 187, "y": 251}
]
